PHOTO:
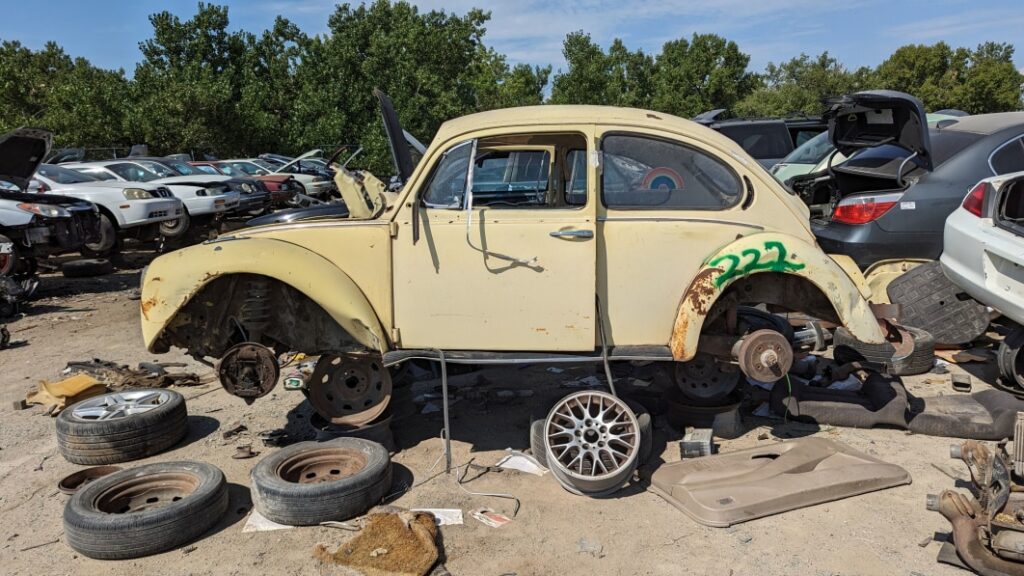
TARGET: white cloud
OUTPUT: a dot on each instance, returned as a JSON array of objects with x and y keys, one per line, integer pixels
[{"x": 945, "y": 27}]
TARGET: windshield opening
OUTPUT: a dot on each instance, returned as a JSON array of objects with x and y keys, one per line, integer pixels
[{"x": 63, "y": 175}]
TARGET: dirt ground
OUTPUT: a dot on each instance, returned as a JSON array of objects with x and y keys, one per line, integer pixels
[{"x": 555, "y": 532}]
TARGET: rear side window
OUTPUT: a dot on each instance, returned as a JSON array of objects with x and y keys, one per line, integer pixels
[
  {"x": 762, "y": 140},
  {"x": 1009, "y": 158},
  {"x": 646, "y": 173}
]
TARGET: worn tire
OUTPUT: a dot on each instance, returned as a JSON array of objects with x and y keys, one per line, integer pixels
[
  {"x": 757, "y": 319},
  {"x": 931, "y": 302},
  {"x": 8, "y": 260},
  {"x": 920, "y": 359},
  {"x": 92, "y": 529},
  {"x": 1010, "y": 359},
  {"x": 174, "y": 229},
  {"x": 86, "y": 268},
  {"x": 110, "y": 240},
  {"x": 301, "y": 504},
  {"x": 96, "y": 442}
]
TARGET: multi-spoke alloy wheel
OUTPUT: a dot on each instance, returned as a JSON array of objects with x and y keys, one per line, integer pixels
[
  {"x": 120, "y": 404},
  {"x": 592, "y": 441}
]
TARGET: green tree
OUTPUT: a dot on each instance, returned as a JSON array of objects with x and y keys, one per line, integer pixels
[
  {"x": 702, "y": 74},
  {"x": 800, "y": 85},
  {"x": 619, "y": 78},
  {"x": 497, "y": 85}
]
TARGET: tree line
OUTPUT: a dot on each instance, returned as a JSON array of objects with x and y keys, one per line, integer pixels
[{"x": 203, "y": 89}]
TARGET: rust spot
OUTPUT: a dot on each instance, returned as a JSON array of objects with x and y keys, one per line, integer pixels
[
  {"x": 154, "y": 279},
  {"x": 541, "y": 330},
  {"x": 147, "y": 305},
  {"x": 697, "y": 301}
]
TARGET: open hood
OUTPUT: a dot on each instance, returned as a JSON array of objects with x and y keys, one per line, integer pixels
[
  {"x": 310, "y": 154},
  {"x": 21, "y": 153},
  {"x": 877, "y": 117},
  {"x": 66, "y": 155},
  {"x": 396, "y": 137}
]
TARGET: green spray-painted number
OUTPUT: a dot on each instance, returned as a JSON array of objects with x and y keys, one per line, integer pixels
[{"x": 753, "y": 260}]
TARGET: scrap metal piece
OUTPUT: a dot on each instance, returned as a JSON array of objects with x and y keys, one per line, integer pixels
[
  {"x": 967, "y": 519},
  {"x": 353, "y": 389},
  {"x": 727, "y": 489},
  {"x": 1018, "y": 445},
  {"x": 249, "y": 371},
  {"x": 697, "y": 443},
  {"x": 764, "y": 355}
]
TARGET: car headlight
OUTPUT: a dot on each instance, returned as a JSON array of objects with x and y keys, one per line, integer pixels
[
  {"x": 136, "y": 194},
  {"x": 201, "y": 192},
  {"x": 46, "y": 210},
  {"x": 321, "y": 179}
]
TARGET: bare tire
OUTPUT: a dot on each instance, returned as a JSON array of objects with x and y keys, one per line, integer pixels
[
  {"x": 313, "y": 482},
  {"x": 1011, "y": 360},
  {"x": 592, "y": 443},
  {"x": 109, "y": 242},
  {"x": 931, "y": 302},
  {"x": 145, "y": 510},
  {"x": 121, "y": 426},
  {"x": 898, "y": 360}
]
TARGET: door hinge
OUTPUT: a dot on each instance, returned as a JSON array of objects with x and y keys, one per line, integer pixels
[
  {"x": 394, "y": 229},
  {"x": 396, "y": 336}
]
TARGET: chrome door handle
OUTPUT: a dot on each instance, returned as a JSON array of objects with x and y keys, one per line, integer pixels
[{"x": 572, "y": 234}]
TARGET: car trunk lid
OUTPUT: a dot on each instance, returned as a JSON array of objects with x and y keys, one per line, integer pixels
[{"x": 877, "y": 117}]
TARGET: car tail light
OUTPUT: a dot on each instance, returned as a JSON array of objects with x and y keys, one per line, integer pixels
[
  {"x": 865, "y": 208},
  {"x": 975, "y": 199}
]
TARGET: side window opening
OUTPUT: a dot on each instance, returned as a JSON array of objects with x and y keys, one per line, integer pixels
[
  {"x": 642, "y": 172},
  {"x": 1009, "y": 158},
  {"x": 515, "y": 171}
]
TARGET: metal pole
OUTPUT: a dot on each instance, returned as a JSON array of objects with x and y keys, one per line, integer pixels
[{"x": 444, "y": 398}]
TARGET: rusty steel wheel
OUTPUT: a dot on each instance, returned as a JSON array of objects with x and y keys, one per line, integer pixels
[
  {"x": 704, "y": 380},
  {"x": 592, "y": 442},
  {"x": 352, "y": 389},
  {"x": 312, "y": 482},
  {"x": 145, "y": 510}
]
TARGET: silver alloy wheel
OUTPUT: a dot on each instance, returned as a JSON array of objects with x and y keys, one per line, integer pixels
[
  {"x": 592, "y": 441},
  {"x": 119, "y": 404}
]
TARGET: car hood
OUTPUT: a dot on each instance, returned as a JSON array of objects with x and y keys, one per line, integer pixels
[
  {"x": 21, "y": 153},
  {"x": 877, "y": 117},
  {"x": 400, "y": 153},
  {"x": 311, "y": 153},
  {"x": 193, "y": 180},
  {"x": 48, "y": 199},
  {"x": 323, "y": 211}
]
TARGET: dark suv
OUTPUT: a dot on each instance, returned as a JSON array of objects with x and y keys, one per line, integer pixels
[{"x": 768, "y": 140}]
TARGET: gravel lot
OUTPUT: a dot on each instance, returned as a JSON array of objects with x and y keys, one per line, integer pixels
[{"x": 634, "y": 532}]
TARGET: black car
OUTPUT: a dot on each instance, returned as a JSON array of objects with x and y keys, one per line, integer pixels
[
  {"x": 34, "y": 226},
  {"x": 890, "y": 199},
  {"x": 314, "y": 212},
  {"x": 768, "y": 140}
]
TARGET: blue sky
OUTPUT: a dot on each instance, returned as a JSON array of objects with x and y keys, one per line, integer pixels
[{"x": 858, "y": 32}]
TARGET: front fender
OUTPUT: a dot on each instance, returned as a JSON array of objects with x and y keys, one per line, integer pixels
[
  {"x": 770, "y": 252},
  {"x": 173, "y": 279}
]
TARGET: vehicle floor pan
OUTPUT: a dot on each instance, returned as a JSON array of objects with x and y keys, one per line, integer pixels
[
  {"x": 727, "y": 489},
  {"x": 984, "y": 415}
]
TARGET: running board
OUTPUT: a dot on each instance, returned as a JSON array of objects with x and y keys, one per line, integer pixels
[{"x": 639, "y": 353}]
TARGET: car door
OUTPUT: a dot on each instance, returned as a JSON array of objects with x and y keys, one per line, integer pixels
[
  {"x": 668, "y": 202},
  {"x": 508, "y": 263}
]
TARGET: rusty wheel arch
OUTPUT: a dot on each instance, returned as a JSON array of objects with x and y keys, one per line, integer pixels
[{"x": 240, "y": 307}]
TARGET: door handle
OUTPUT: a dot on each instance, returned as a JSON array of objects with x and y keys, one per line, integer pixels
[{"x": 572, "y": 234}]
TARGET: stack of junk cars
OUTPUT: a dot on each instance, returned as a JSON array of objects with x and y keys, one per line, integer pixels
[{"x": 578, "y": 234}]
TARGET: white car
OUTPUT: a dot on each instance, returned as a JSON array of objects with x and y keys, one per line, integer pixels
[
  {"x": 317, "y": 186},
  {"x": 983, "y": 253},
  {"x": 127, "y": 209},
  {"x": 204, "y": 197}
]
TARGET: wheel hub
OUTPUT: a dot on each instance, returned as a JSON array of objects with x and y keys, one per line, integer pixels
[
  {"x": 764, "y": 355},
  {"x": 249, "y": 371},
  {"x": 318, "y": 466},
  {"x": 350, "y": 389}
]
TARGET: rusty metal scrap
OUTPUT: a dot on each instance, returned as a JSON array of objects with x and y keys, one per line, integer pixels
[{"x": 146, "y": 375}]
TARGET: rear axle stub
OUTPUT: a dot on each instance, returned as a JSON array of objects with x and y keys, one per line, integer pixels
[{"x": 249, "y": 371}]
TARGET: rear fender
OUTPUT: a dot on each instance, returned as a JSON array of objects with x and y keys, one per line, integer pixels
[
  {"x": 777, "y": 253},
  {"x": 173, "y": 279}
]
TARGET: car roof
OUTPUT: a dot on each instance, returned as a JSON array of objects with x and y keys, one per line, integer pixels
[
  {"x": 561, "y": 114},
  {"x": 986, "y": 123}
]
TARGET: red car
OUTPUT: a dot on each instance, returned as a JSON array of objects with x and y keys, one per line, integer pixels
[{"x": 282, "y": 187}]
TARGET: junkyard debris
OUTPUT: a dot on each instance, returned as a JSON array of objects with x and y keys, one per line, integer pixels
[
  {"x": 443, "y": 516},
  {"x": 390, "y": 544},
  {"x": 516, "y": 460},
  {"x": 697, "y": 443},
  {"x": 57, "y": 395},
  {"x": 244, "y": 451},
  {"x": 146, "y": 375},
  {"x": 490, "y": 517},
  {"x": 234, "y": 429},
  {"x": 592, "y": 547}
]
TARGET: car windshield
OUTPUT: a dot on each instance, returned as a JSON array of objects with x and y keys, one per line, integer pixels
[
  {"x": 132, "y": 172},
  {"x": 242, "y": 169},
  {"x": 183, "y": 168},
  {"x": 207, "y": 169},
  {"x": 62, "y": 175},
  {"x": 268, "y": 166},
  {"x": 811, "y": 152},
  {"x": 161, "y": 170}
]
